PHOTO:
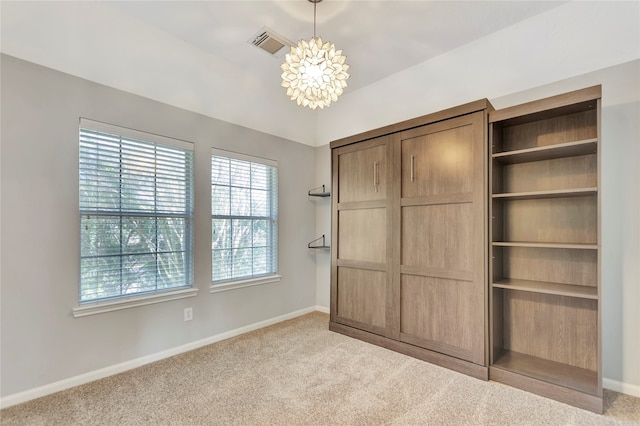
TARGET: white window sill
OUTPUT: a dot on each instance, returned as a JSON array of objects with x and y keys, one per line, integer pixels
[
  {"x": 232, "y": 285},
  {"x": 131, "y": 302}
]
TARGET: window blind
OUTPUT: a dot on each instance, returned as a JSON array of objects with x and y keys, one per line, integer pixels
[
  {"x": 244, "y": 216},
  {"x": 136, "y": 211}
]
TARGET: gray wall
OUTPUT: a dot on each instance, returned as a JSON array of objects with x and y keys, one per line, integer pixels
[
  {"x": 41, "y": 342},
  {"x": 323, "y": 226}
]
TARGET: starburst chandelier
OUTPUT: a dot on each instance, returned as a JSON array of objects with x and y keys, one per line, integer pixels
[{"x": 314, "y": 73}]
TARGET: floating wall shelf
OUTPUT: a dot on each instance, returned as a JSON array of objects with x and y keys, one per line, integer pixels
[
  {"x": 323, "y": 246},
  {"x": 319, "y": 192}
]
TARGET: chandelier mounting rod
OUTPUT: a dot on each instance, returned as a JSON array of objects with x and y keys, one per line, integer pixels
[{"x": 315, "y": 3}]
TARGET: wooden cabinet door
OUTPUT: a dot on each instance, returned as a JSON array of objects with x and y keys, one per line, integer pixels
[
  {"x": 439, "y": 239},
  {"x": 362, "y": 171},
  {"x": 360, "y": 264}
]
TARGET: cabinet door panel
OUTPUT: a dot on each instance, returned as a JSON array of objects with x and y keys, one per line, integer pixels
[
  {"x": 362, "y": 235},
  {"x": 442, "y": 237},
  {"x": 363, "y": 174},
  {"x": 362, "y": 296},
  {"x": 438, "y": 163},
  {"x": 438, "y": 236},
  {"x": 360, "y": 285},
  {"x": 443, "y": 315}
]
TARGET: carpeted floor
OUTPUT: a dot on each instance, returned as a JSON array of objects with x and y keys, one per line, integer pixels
[{"x": 299, "y": 373}]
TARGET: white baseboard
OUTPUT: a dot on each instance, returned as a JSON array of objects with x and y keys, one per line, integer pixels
[
  {"x": 91, "y": 376},
  {"x": 322, "y": 309},
  {"x": 626, "y": 388}
]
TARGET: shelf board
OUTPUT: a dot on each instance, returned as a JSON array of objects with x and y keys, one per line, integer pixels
[
  {"x": 585, "y": 292},
  {"x": 545, "y": 245},
  {"x": 556, "y": 193},
  {"x": 576, "y": 378},
  {"x": 319, "y": 247},
  {"x": 549, "y": 152}
]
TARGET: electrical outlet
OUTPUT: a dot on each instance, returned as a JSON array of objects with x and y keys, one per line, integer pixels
[{"x": 188, "y": 314}]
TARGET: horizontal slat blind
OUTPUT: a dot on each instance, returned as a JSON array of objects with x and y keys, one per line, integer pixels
[
  {"x": 244, "y": 213},
  {"x": 136, "y": 209}
]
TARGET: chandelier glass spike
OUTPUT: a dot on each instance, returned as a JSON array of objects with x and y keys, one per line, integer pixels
[{"x": 314, "y": 72}]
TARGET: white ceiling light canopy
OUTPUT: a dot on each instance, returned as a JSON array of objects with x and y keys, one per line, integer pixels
[{"x": 314, "y": 73}]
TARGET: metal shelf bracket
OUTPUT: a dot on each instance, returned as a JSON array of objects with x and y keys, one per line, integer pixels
[
  {"x": 323, "y": 246},
  {"x": 319, "y": 192}
]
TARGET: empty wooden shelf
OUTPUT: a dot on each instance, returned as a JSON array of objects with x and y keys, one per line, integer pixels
[{"x": 545, "y": 310}]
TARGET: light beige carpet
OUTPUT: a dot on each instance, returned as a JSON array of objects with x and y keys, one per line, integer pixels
[{"x": 299, "y": 373}]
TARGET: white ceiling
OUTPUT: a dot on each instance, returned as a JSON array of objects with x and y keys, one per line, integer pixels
[
  {"x": 196, "y": 54},
  {"x": 379, "y": 38}
]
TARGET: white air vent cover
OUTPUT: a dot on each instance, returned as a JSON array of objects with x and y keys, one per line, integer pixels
[{"x": 272, "y": 43}]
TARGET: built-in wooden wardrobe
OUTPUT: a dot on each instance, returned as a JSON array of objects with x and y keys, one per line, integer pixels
[
  {"x": 485, "y": 260},
  {"x": 409, "y": 232}
]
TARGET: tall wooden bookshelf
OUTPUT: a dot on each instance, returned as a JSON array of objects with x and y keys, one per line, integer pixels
[{"x": 545, "y": 309}]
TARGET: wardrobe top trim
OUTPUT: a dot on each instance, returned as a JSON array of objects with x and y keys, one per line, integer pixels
[
  {"x": 468, "y": 108},
  {"x": 578, "y": 100}
]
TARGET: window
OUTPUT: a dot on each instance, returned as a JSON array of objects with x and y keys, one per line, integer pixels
[
  {"x": 136, "y": 213},
  {"x": 244, "y": 217}
]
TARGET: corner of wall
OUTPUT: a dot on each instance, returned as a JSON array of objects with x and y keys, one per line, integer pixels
[{"x": 323, "y": 226}]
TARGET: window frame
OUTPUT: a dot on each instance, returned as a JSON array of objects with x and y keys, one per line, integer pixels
[
  {"x": 124, "y": 300},
  {"x": 252, "y": 280}
]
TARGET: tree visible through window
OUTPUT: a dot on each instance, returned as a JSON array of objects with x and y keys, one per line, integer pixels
[
  {"x": 136, "y": 210},
  {"x": 244, "y": 208}
]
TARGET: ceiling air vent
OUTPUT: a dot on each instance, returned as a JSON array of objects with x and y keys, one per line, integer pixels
[{"x": 272, "y": 43}]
